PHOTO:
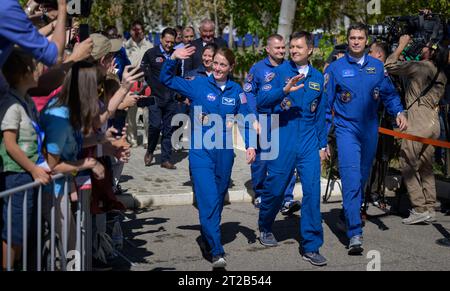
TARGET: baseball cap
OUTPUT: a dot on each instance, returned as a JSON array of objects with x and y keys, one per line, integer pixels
[{"x": 103, "y": 45}]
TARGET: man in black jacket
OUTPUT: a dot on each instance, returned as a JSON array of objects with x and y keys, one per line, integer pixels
[
  {"x": 207, "y": 28},
  {"x": 165, "y": 105}
]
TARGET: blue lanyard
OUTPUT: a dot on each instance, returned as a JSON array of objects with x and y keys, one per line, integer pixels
[{"x": 39, "y": 132}]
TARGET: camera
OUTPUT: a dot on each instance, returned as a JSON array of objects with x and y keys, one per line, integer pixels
[
  {"x": 75, "y": 8},
  {"x": 423, "y": 28}
]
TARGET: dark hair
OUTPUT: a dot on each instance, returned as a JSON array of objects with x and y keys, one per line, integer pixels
[
  {"x": 358, "y": 26},
  {"x": 137, "y": 22},
  {"x": 178, "y": 28},
  {"x": 210, "y": 46},
  {"x": 115, "y": 33},
  {"x": 228, "y": 54},
  {"x": 17, "y": 65},
  {"x": 168, "y": 30},
  {"x": 308, "y": 37},
  {"x": 274, "y": 36},
  {"x": 383, "y": 46},
  {"x": 82, "y": 101},
  {"x": 440, "y": 56}
]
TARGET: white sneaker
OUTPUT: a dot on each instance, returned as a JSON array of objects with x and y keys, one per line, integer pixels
[{"x": 416, "y": 217}]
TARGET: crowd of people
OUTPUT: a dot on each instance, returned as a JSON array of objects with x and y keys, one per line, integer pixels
[{"x": 75, "y": 112}]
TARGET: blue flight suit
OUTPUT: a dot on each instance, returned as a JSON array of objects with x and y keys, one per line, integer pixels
[
  {"x": 256, "y": 78},
  {"x": 354, "y": 92},
  {"x": 210, "y": 167},
  {"x": 302, "y": 133}
]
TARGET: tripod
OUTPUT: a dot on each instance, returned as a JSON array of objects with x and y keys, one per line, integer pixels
[{"x": 379, "y": 171}]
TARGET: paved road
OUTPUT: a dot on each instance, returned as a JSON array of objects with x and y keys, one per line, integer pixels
[{"x": 164, "y": 238}]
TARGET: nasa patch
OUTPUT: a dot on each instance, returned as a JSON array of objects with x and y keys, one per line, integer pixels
[
  {"x": 211, "y": 97},
  {"x": 267, "y": 87},
  {"x": 248, "y": 87}
]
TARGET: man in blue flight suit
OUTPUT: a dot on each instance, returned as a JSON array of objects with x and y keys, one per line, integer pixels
[
  {"x": 302, "y": 138},
  {"x": 165, "y": 107},
  {"x": 259, "y": 75},
  {"x": 354, "y": 85}
]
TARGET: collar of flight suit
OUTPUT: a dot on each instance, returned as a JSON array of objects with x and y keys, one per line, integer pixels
[
  {"x": 352, "y": 61},
  {"x": 269, "y": 64},
  {"x": 228, "y": 84},
  {"x": 294, "y": 69}
]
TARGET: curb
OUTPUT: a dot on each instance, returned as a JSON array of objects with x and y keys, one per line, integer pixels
[
  {"x": 133, "y": 201},
  {"x": 139, "y": 201}
]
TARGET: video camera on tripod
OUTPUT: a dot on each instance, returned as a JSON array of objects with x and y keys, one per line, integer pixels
[{"x": 423, "y": 28}]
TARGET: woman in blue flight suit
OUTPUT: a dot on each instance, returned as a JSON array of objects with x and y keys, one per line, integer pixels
[{"x": 213, "y": 100}]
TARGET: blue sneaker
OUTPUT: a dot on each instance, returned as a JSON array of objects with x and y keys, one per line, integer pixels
[
  {"x": 355, "y": 246},
  {"x": 290, "y": 207},
  {"x": 267, "y": 239},
  {"x": 315, "y": 258}
]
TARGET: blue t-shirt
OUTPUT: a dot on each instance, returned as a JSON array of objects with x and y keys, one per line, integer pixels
[{"x": 60, "y": 137}]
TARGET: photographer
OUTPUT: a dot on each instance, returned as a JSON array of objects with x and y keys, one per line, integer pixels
[{"x": 422, "y": 104}]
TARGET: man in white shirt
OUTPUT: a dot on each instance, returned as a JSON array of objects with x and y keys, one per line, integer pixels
[{"x": 136, "y": 47}]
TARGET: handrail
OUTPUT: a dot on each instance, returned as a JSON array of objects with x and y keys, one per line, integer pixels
[{"x": 29, "y": 186}]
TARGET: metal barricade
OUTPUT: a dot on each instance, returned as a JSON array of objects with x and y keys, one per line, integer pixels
[{"x": 53, "y": 238}]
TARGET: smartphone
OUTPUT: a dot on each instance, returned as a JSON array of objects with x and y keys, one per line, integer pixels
[
  {"x": 119, "y": 121},
  {"x": 84, "y": 32}
]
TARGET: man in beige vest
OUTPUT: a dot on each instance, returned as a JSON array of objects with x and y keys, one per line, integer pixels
[
  {"x": 416, "y": 159},
  {"x": 136, "y": 47}
]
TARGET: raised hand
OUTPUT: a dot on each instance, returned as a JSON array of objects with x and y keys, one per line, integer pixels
[{"x": 291, "y": 85}]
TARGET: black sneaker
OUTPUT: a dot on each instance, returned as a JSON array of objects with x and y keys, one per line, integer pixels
[
  {"x": 290, "y": 207},
  {"x": 315, "y": 258},
  {"x": 355, "y": 246}
]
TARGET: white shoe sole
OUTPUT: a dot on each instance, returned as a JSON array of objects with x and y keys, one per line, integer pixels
[{"x": 219, "y": 264}]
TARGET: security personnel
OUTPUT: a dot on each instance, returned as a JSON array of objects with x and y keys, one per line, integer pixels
[
  {"x": 354, "y": 86},
  {"x": 302, "y": 135},
  {"x": 165, "y": 107},
  {"x": 258, "y": 76},
  {"x": 214, "y": 100}
]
